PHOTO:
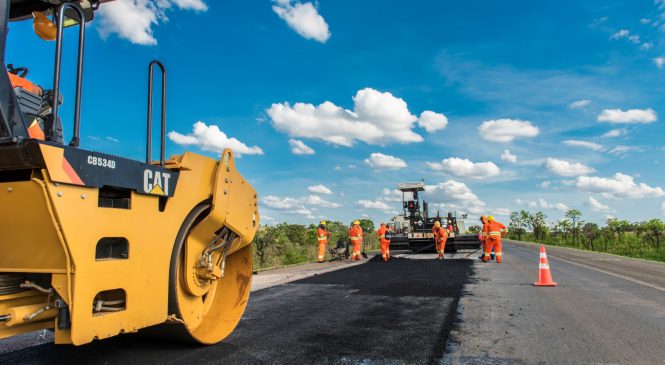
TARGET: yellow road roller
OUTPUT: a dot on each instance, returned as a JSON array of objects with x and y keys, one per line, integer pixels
[{"x": 94, "y": 245}]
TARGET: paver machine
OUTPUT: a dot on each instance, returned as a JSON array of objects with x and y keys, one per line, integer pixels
[
  {"x": 95, "y": 245},
  {"x": 414, "y": 227}
]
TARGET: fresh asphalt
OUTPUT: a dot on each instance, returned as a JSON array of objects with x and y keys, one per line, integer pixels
[{"x": 415, "y": 310}]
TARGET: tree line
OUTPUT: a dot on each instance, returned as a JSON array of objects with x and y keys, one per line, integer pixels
[
  {"x": 287, "y": 244},
  {"x": 634, "y": 239}
]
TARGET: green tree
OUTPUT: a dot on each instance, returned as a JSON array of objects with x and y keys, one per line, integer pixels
[
  {"x": 516, "y": 226},
  {"x": 574, "y": 216},
  {"x": 591, "y": 233}
]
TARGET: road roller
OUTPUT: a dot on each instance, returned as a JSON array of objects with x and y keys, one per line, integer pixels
[{"x": 94, "y": 245}]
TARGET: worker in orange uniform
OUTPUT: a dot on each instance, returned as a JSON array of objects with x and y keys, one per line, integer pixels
[
  {"x": 356, "y": 237},
  {"x": 482, "y": 236},
  {"x": 440, "y": 238},
  {"x": 322, "y": 236},
  {"x": 385, "y": 241},
  {"x": 495, "y": 230}
]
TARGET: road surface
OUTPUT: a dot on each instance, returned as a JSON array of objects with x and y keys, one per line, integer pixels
[{"x": 415, "y": 310}]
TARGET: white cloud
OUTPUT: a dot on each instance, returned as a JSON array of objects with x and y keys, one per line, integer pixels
[
  {"x": 378, "y": 118},
  {"x": 319, "y": 189},
  {"x": 300, "y": 148},
  {"x": 543, "y": 204},
  {"x": 646, "y": 46},
  {"x": 506, "y": 156},
  {"x": 455, "y": 195},
  {"x": 276, "y": 202},
  {"x": 584, "y": 144},
  {"x": 545, "y": 184},
  {"x": 376, "y": 205},
  {"x": 392, "y": 195},
  {"x": 662, "y": 208},
  {"x": 381, "y": 161},
  {"x": 337, "y": 168},
  {"x": 659, "y": 61},
  {"x": 622, "y": 150},
  {"x": 597, "y": 206},
  {"x": 211, "y": 138},
  {"x": 580, "y": 104},
  {"x": 506, "y": 130},
  {"x": 304, "y": 18},
  {"x": 133, "y": 19},
  {"x": 502, "y": 212},
  {"x": 432, "y": 121},
  {"x": 114, "y": 140},
  {"x": 565, "y": 168},
  {"x": 632, "y": 116},
  {"x": 618, "y": 132},
  {"x": 618, "y": 186},
  {"x": 465, "y": 168},
  {"x": 318, "y": 201},
  {"x": 623, "y": 33},
  {"x": 645, "y": 21}
]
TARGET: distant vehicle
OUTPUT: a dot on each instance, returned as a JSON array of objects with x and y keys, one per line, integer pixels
[{"x": 413, "y": 229}]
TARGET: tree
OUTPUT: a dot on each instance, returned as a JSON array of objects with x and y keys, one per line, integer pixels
[
  {"x": 474, "y": 228},
  {"x": 574, "y": 216},
  {"x": 367, "y": 226},
  {"x": 516, "y": 225},
  {"x": 538, "y": 226},
  {"x": 654, "y": 232},
  {"x": 591, "y": 233}
]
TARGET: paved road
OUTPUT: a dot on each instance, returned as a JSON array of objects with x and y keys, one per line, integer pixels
[
  {"x": 606, "y": 310},
  {"x": 399, "y": 312},
  {"x": 415, "y": 310}
]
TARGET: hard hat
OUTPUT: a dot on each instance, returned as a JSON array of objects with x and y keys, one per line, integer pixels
[
  {"x": 323, "y": 223},
  {"x": 437, "y": 224},
  {"x": 490, "y": 217},
  {"x": 43, "y": 26},
  {"x": 356, "y": 222}
]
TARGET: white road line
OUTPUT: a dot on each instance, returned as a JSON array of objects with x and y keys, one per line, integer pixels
[{"x": 628, "y": 278}]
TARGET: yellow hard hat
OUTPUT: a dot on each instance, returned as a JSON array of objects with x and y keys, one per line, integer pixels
[
  {"x": 356, "y": 222},
  {"x": 323, "y": 223},
  {"x": 490, "y": 217},
  {"x": 437, "y": 224}
]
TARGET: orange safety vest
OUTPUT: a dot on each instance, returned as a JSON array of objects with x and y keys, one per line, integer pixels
[
  {"x": 356, "y": 235},
  {"x": 381, "y": 233},
  {"x": 440, "y": 234},
  {"x": 322, "y": 236},
  {"x": 493, "y": 229}
]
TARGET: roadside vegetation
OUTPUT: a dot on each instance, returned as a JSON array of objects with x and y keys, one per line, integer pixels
[
  {"x": 288, "y": 244},
  {"x": 620, "y": 237}
]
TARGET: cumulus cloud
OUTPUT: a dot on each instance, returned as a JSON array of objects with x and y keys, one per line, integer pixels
[
  {"x": 280, "y": 203},
  {"x": 455, "y": 195},
  {"x": 432, "y": 121},
  {"x": 319, "y": 189},
  {"x": 580, "y": 104},
  {"x": 387, "y": 162},
  {"x": 646, "y": 46},
  {"x": 376, "y": 205},
  {"x": 619, "y": 186},
  {"x": 378, "y": 118},
  {"x": 584, "y": 144},
  {"x": 300, "y": 148},
  {"x": 133, "y": 20},
  {"x": 318, "y": 201},
  {"x": 565, "y": 168},
  {"x": 506, "y": 130},
  {"x": 506, "y": 156},
  {"x": 304, "y": 18},
  {"x": 631, "y": 116},
  {"x": 625, "y": 34},
  {"x": 597, "y": 206},
  {"x": 618, "y": 132},
  {"x": 622, "y": 150},
  {"x": 543, "y": 204},
  {"x": 211, "y": 138},
  {"x": 659, "y": 61},
  {"x": 465, "y": 168},
  {"x": 297, "y": 206},
  {"x": 393, "y": 195}
]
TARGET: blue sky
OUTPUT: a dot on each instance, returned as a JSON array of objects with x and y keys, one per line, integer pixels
[{"x": 573, "y": 91}]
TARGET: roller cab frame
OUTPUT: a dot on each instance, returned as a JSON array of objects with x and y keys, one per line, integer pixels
[{"x": 94, "y": 245}]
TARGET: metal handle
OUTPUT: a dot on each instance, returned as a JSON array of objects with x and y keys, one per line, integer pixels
[
  {"x": 148, "y": 151},
  {"x": 79, "y": 69}
]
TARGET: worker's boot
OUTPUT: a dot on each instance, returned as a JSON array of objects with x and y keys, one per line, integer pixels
[{"x": 440, "y": 256}]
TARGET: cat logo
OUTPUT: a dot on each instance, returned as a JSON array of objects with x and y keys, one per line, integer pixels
[{"x": 155, "y": 182}]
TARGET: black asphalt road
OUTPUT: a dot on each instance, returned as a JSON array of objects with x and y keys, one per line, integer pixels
[{"x": 399, "y": 312}]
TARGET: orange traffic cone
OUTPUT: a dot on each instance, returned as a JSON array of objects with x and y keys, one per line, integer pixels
[{"x": 544, "y": 274}]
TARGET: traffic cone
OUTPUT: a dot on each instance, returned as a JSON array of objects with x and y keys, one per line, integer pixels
[{"x": 544, "y": 274}]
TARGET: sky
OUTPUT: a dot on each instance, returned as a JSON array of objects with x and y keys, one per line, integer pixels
[{"x": 328, "y": 105}]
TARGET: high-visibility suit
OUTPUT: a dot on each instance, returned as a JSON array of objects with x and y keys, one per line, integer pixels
[
  {"x": 385, "y": 243},
  {"x": 482, "y": 236},
  {"x": 322, "y": 235},
  {"x": 440, "y": 238},
  {"x": 494, "y": 230},
  {"x": 356, "y": 237}
]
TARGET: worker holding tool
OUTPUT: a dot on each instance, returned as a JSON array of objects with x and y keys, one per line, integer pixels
[
  {"x": 356, "y": 237},
  {"x": 482, "y": 236},
  {"x": 440, "y": 238},
  {"x": 322, "y": 236},
  {"x": 385, "y": 242},
  {"x": 494, "y": 230}
]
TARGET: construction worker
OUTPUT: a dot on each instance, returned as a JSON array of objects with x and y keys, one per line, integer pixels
[
  {"x": 389, "y": 237},
  {"x": 322, "y": 236},
  {"x": 356, "y": 237},
  {"x": 495, "y": 230},
  {"x": 440, "y": 238},
  {"x": 482, "y": 236},
  {"x": 385, "y": 242}
]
